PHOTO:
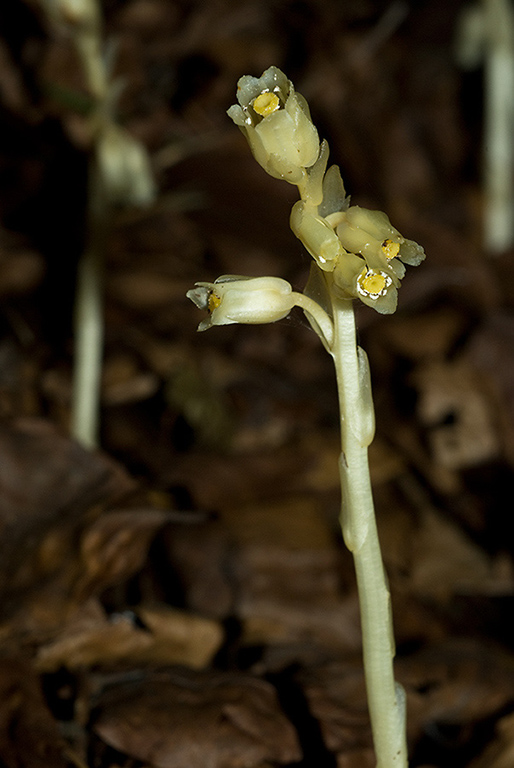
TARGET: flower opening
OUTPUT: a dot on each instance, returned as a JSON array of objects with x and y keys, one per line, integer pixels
[
  {"x": 390, "y": 249},
  {"x": 373, "y": 284},
  {"x": 277, "y": 124},
  {"x": 266, "y": 103}
]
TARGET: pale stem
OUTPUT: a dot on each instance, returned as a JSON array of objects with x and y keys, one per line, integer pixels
[
  {"x": 385, "y": 697},
  {"x": 499, "y": 126},
  {"x": 88, "y": 320}
]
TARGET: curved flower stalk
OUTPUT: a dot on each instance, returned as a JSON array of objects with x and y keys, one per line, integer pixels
[{"x": 357, "y": 254}]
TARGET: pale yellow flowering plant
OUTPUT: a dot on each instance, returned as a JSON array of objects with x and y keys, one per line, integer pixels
[{"x": 357, "y": 254}]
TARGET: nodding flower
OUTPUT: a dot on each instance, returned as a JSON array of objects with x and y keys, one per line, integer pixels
[
  {"x": 235, "y": 299},
  {"x": 277, "y": 124},
  {"x": 372, "y": 234},
  {"x": 383, "y": 252},
  {"x": 317, "y": 236}
]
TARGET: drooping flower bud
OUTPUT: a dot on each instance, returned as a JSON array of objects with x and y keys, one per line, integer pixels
[
  {"x": 235, "y": 299},
  {"x": 317, "y": 236}
]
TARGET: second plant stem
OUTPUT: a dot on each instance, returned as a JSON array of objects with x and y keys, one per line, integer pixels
[
  {"x": 386, "y": 701},
  {"x": 88, "y": 321}
]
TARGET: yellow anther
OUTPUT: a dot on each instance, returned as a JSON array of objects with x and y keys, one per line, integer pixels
[
  {"x": 372, "y": 283},
  {"x": 390, "y": 248},
  {"x": 214, "y": 302},
  {"x": 266, "y": 103}
]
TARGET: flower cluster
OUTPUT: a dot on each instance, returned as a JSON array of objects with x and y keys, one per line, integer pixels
[
  {"x": 361, "y": 249},
  {"x": 365, "y": 254}
]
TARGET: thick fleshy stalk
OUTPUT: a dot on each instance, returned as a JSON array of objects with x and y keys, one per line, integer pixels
[{"x": 386, "y": 699}]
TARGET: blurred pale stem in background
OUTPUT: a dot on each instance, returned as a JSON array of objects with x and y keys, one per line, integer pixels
[{"x": 485, "y": 35}]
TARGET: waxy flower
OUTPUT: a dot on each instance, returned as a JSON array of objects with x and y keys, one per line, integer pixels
[
  {"x": 277, "y": 124},
  {"x": 383, "y": 252},
  {"x": 235, "y": 299},
  {"x": 372, "y": 234}
]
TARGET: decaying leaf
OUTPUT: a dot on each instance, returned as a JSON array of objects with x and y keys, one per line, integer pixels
[
  {"x": 29, "y": 735},
  {"x": 445, "y": 561},
  {"x": 48, "y": 483},
  {"x": 167, "y": 636},
  {"x": 114, "y": 547},
  {"x": 202, "y": 720},
  {"x": 457, "y": 414},
  {"x": 457, "y": 682},
  {"x": 59, "y": 541},
  {"x": 337, "y": 699},
  {"x": 500, "y": 753},
  {"x": 282, "y": 558}
]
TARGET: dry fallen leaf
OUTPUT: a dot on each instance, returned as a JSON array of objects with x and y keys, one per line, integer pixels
[
  {"x": 445, "y": 561},
  {"x": 29, "y": 735},
  {"x": 48, "y": 484},
  {"x": 337, "y": 699},
  {"x": 199, "y": 720},
  {"x": 285, "y": 580},
  {"x": 59, "y": 541},
  {"x": 456, "y": 682},
  {"x": 168, "y": 636},
  {"x": 115, "y": 546},
  {"x": 21, "y": 267},
  {"x": 500, "y": 752},
  {"x": 454, "y": 407},
  {"x": 359, "y": 758}
]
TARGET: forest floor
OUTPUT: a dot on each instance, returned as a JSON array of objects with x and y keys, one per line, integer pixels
[{"x": 182, "y": 597}]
